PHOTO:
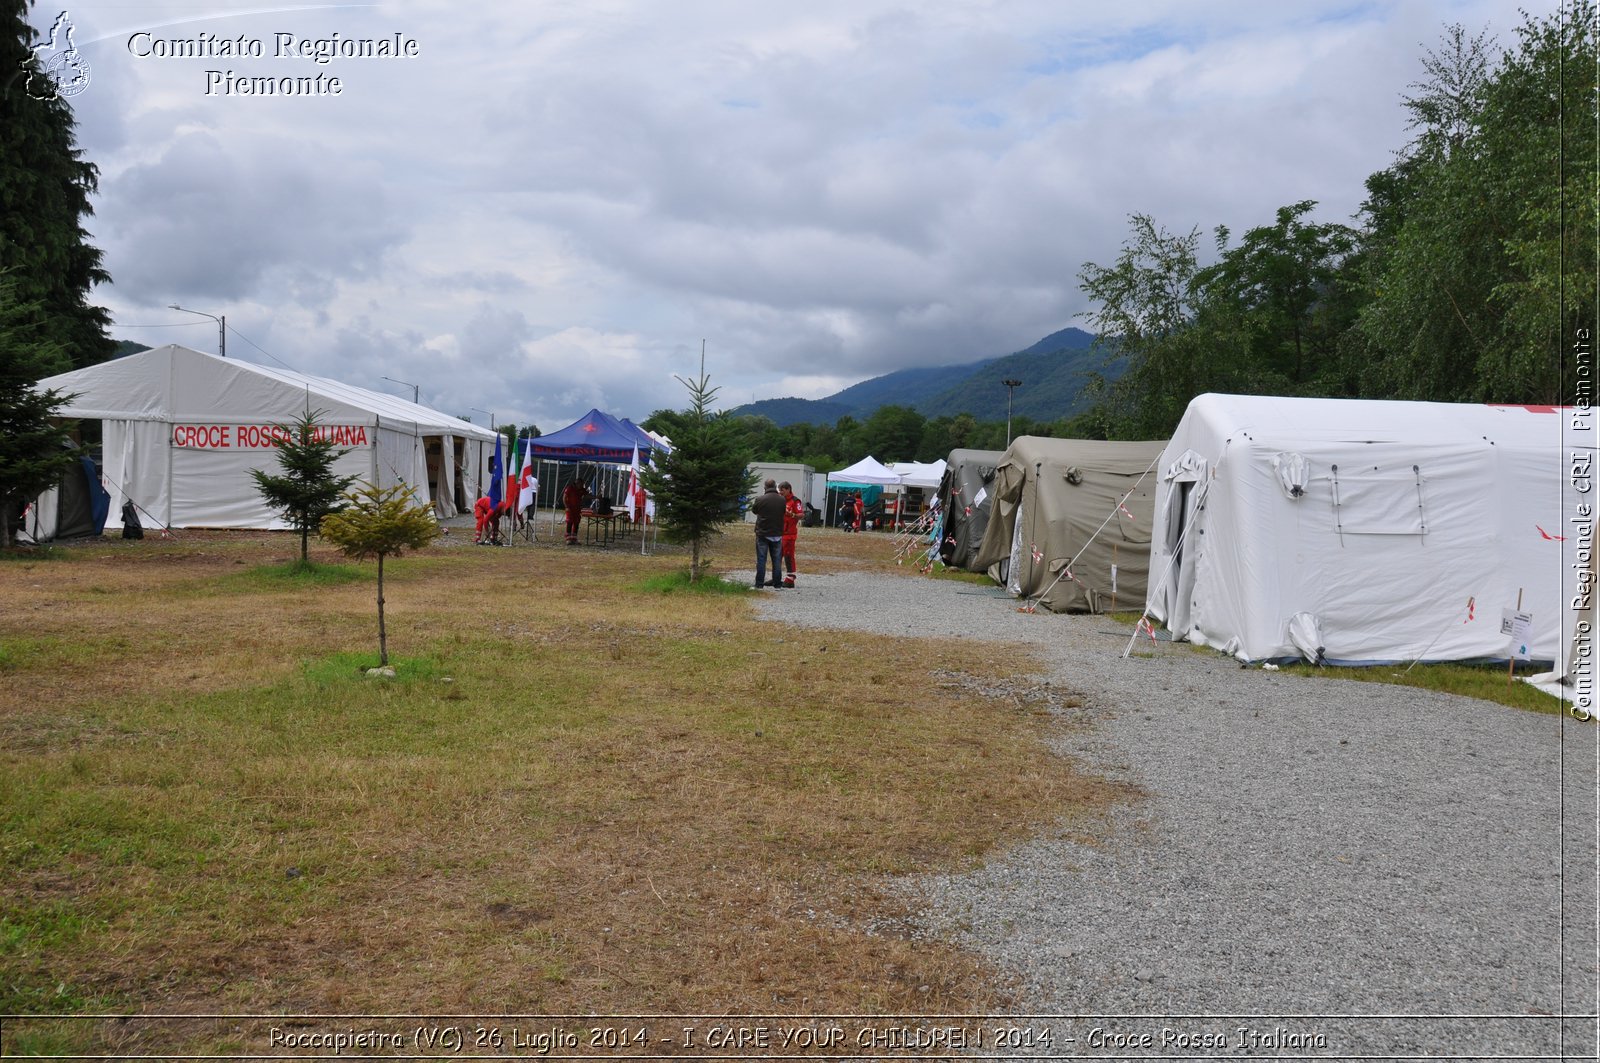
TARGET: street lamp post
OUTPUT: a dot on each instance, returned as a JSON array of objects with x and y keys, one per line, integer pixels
[
  {"x": 1011, "y": 386},
  {"x": 222, "y": 326},
  {"x": 416, "y": 392}
]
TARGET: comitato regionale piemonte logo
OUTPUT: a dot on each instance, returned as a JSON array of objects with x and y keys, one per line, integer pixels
[{"x": 56, "y": 69}]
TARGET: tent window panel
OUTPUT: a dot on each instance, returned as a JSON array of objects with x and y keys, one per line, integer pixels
[{"x": 1374, "y": 502}]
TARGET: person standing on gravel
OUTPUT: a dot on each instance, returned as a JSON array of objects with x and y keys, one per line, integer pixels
[
  {"x": 794, "y": 511},
  {"x": 768, "y": 509}
]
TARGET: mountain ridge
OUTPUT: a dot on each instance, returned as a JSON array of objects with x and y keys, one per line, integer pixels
[{"x": 1053, "y": 372}]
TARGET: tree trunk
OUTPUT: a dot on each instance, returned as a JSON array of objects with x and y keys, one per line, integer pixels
[
  {"x": 694, "y": 563},
  {"x": 383, "y": 641},
  {"x": 305, "y": 538}
]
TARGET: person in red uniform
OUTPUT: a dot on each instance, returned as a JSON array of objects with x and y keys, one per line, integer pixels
[
  {"x": 794, "y": 511},
  {"x": 861, "y": 512},
  {"x": 483, "y": 513},
  {"x": 572, "y": 499}
]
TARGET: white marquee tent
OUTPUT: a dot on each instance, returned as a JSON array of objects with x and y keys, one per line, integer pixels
[
  {"x": 1369, "y": 531},
  {"x": 183, "y": 429}
]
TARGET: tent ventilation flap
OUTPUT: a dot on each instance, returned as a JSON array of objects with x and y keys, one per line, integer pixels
[{"x": 1377, "y": 501}]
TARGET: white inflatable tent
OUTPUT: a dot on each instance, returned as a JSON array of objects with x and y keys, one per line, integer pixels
[
  {"x": 1367, "y": 531},
  {"x": 183, "y": 429}
]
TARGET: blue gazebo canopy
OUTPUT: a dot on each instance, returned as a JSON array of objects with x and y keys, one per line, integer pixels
[{"x": 595, "y": 436}]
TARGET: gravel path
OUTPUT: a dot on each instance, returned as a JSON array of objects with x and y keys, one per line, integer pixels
[{"x": 1309, "y": 855}]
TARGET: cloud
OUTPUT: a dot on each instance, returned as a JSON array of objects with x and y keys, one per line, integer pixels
[
  {"x": 552, "y": 206},
  {"x": 221, "y": 220}
]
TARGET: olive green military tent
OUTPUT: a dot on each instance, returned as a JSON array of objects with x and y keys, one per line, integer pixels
[{"x": 1070, "y": 523}]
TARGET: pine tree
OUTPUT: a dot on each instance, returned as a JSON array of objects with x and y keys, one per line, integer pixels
[
  {"x": 377, "y": 523},
  {"x": 45, "y": 185},
  {"x": 308, "y": 490},
  {"x": 698, "y": 485},
  {"x": 34, "y": 450}
]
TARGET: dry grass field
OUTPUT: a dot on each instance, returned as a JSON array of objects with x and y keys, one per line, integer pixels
[{"x": 586, "y": 792}]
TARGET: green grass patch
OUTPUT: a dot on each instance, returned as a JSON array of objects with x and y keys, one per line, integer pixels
[
  {"x": 49, "y": 651},
  {"x": 294, "y": 574},
  {"x": 1486, "y": 682},
  {"x": 350, "y": 669},
  {"x": 678, "y": 582},
  {"x": 942, "y": 571},
  {"x": 32, "y": 553}
]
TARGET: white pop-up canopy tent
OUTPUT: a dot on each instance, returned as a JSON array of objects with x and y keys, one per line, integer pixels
[
  {"x": 869, "y": 476},
  {"x": 869, "y": 471},
  {"x": 1365, "y": 531},
  {"x": 923, "y": 474},
  {"x": 183, "y": 429}
]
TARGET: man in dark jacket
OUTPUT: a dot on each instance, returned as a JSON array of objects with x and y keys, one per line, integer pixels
[{"x": 768, "y": 508}]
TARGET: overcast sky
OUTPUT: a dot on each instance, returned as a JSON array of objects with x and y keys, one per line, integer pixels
[{"x": 549, "y": 206}]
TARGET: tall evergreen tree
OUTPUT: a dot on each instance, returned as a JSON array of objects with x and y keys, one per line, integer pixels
[
  {"x": 33, "y": 445},
  {"x": 45, "y": 185},
  {"x": 307, "y": 490},
  {"x": 698, "y": 485}
]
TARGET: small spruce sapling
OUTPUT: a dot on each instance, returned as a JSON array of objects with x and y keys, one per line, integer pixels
[{"x": 377, "y": 523}]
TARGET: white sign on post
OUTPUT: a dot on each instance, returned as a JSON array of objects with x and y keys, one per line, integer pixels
[{"x": 1520, "y": 627}]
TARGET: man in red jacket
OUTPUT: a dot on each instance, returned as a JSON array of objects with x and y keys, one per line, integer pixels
[{"x": 794, "y": 511}]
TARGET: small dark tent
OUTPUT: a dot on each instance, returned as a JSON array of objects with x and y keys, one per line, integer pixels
[
  {"x": 76, "y": 507},
  {"x": 964, "y": 499}
]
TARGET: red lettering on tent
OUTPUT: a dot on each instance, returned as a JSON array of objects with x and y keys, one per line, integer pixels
[
  {"x": 201, "y": 436},
  {"x": 260, "y": 436}
]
